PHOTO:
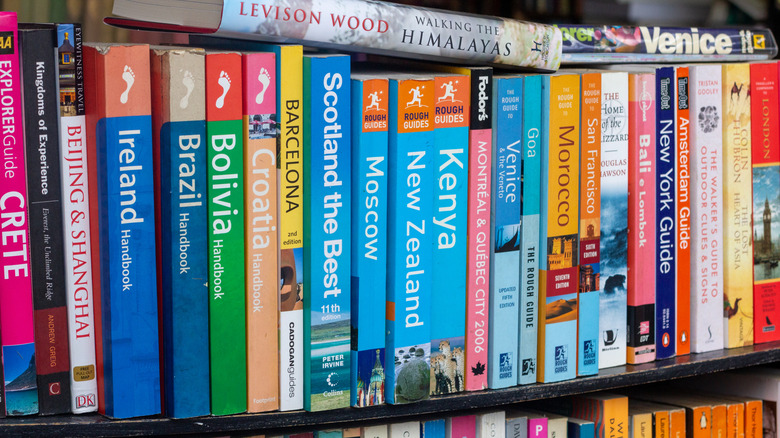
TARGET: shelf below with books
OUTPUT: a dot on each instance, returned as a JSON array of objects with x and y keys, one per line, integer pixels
[{"x": 286, "y": 422}]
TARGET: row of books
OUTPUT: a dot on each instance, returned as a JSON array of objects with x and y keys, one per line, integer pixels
[
  {"x": 197, "y": 203},
  {"x": 654, "y": 411}
]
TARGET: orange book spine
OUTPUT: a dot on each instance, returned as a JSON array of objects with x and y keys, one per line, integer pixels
[
  {"x": 698, "y": 421},
  {"x": 719, "y": 425},
  {"x": 677, "y": 423},
  {"x": 735, "y": 422},
  {"x": 261, "y": 240},
  {"x": 754, "y": 422},
  {"x": 683, "y": 216},
  {"x": 661, "y": 424}
]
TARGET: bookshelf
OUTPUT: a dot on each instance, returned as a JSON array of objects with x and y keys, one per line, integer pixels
[{"x": 277, "y": 423}]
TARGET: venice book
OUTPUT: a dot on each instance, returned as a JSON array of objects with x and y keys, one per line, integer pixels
[
  {"x": 17, "y": 335},
  {"x": 766, "y": 205},
  {"x": 654, "y": 44},
  {"x": 289, "y": 165},
  {"x": 559, "y": 233},
  {"x": 327, "y": 246},
  {"x": 590, "y": 225},
  {"x": 505, "y": 226},
  {"x": 179, "y": 124},
  {"x": 370, "y": 100},
  {"x": 77, "y": 195},
  {"x": 410, "y": 242},
  {"x": 613, "y": 265},
  {"x": 665, "y": 211},
  {"x": 450, "y": 258},
  {"x": 42, "y": 139},
  {"x": 683, "y": 219},
  {"x": 119, "y": 126},
  {"x": 227, "y": 306},
  {"x": 261, "y": 239},
  {"x": 359, "y": 26},
  {"x": 529, "y": 240},
  {"x": 706, "y": 145},
  {"x": 641, "y": 214},
  {"x": 738, "y": 270}
]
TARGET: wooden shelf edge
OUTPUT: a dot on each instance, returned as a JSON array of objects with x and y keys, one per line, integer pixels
[{"x": 611, "y": 378}]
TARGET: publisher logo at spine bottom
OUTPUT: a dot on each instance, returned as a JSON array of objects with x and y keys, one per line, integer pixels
[
  {"x": 6, "y": 43},
  {"x": 505, "y": 365},
  {"x": 589, "y": 352},
  {"x": 529, "y": 367},
  {"x": 561, "y": 359},
  {"x": 86, "y": 401}
]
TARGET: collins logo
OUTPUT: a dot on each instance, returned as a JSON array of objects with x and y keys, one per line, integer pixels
[
  {"x": 6, "y": 43},
  {"x": 333, "y": 379},
  {"x": 85, "y": 401}
]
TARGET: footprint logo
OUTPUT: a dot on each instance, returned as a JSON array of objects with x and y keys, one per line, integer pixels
[
  {"x": 224, "y": 82},
  {"x": 264, "y": 78},
  {"x": 129, "y": 77},
  {"x": 189, "y": 84}
]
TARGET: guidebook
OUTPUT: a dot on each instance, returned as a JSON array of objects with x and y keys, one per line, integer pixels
[{"x": 357, "y": 25}]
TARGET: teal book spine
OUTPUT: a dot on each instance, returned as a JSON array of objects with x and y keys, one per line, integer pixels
[
  {"x": 369, "y": 239},
  {"x": 503, "y": 337},
  {"x": 433, "y": 428},
  {"x": 410, "y": 243},
  {"x": 529, "y": 231},
  {"x": 327, "y": 232},
  {"x": 450, "y": 257}
]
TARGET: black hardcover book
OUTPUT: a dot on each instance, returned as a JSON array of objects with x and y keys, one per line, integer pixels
[{"x": 38, "y": 49}]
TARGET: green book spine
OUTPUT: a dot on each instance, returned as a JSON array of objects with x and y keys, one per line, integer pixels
[{"x": 227, "y": 321}]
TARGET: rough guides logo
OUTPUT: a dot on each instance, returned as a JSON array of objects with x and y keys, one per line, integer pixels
[
  {"x": 505, "y": 365},
  {"x": 561, "y": 359},
  {"x": 589, "y": 352},
  {"x": 529, "y": 367},
  {"x": 375, "y": 105},
  {"x": 452, "y": 100},
  {"x": 6, "y": 43},
  {"x": 415, "y": 106}
]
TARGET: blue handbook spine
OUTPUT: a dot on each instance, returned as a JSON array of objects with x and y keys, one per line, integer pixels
[
  {"x": 327, "y": 232},
  {"x": 184, "y": 268},
  {"x": 410, "y": 250},
  {"x": 433, "y": 428},
  {"x": 665, "y": 316},
  {"x": 129, "y": 272},
  {"x": 450, "y": 256},
  {"x": 503, "y": 338},
  {"x": 529, "y": 230},
  {"x": 369, "y": 244}
]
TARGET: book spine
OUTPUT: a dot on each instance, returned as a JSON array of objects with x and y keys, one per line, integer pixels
[
  {"x": 754, "y": 412},
  {"x": 677, "y": 423},
  {"x": 766, "y": 176},
  {"x": 41, "y": 114},
  {"x": 433, "y": 428},
  {"x": 735, "y": 422},
  {"x": 641, "y": 425},
  {"x": 505, "y": 220},
  {"x": 369, "y": 242},
  {"x": 478, "y": 229},
  {"x": 719, "y": 420},
  {"x": 119, "y": 106},
  {"x": 409, "y": 429},
  {"x": 376, "y": 431},
  {"x": 462, "y": 426},
  {"x": 661, "y": 424},
  {"x": 289, "y": 87},
  {"x": 614, "y": 220},
  {"x": 327, "y": 230},
  {"x": 179, "y": 122},
  {"x": 698, "y": 422},
  {"x": 606, "y": 44},
  {"x": 17, "y": 332},
  {"x": 411, "y": 37},
  {"x": 666, "y": 236},
  {"x": 81, "y": 226},
  {"x": 450, "y": 194},
  {"x": 580, "y": 429},
  {"x": 517, "y": 427},
  {"x": 530, "y": 205},
  {"x": 227, "y": 306},
  {"x": 738, "y": 202},
  {"x": 410, "y": 242},
  {"x": 537, "y": 427},
  {"x": 260, "y": 227},
  {"x": 641, "y": 213},
  {"x": 557, "y": 349},
  {"x": 491, "y": 424},
  {"x": 590, "y": 226},
  {"x": 706, "y": 209},
  {"x": 682, "y": 221}
]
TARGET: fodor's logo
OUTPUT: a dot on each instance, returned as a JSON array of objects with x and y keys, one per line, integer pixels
[{"x": 6, "y": 43}]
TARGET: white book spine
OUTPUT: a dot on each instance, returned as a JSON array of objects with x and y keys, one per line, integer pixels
[
  {"x": 379, "y": 431},
  {"x": 410, "y": 429},
  {"x": 78, "y": 265},
  {"x": 491, "y": 425},
  {"x": 706, "y": 146},
  {"x": 291, "y": 357}
]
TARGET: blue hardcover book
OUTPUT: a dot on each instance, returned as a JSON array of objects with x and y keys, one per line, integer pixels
[
  {"x": 450, "y": 257},
  {"x": 121, "y": 123},
  {"x": 665, "y": 213},
  {"x": 577, "y": 428},
  {"x": 529, "y": 230},
  {"x": 410, "y": 241},
  {"x": 179, "y": 121},
  {"x": 369, "y": 238},
  {"x": 433, "y": 428},
  {"x": 503, "y": 339},
  {"x": 327, "y": 231}
]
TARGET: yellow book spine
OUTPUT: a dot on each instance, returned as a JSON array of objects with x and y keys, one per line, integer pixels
[
  {"x": 642, "y": 425},
  {"x": 291, "y": 147},
  {"x": 616, "y": 417}
]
